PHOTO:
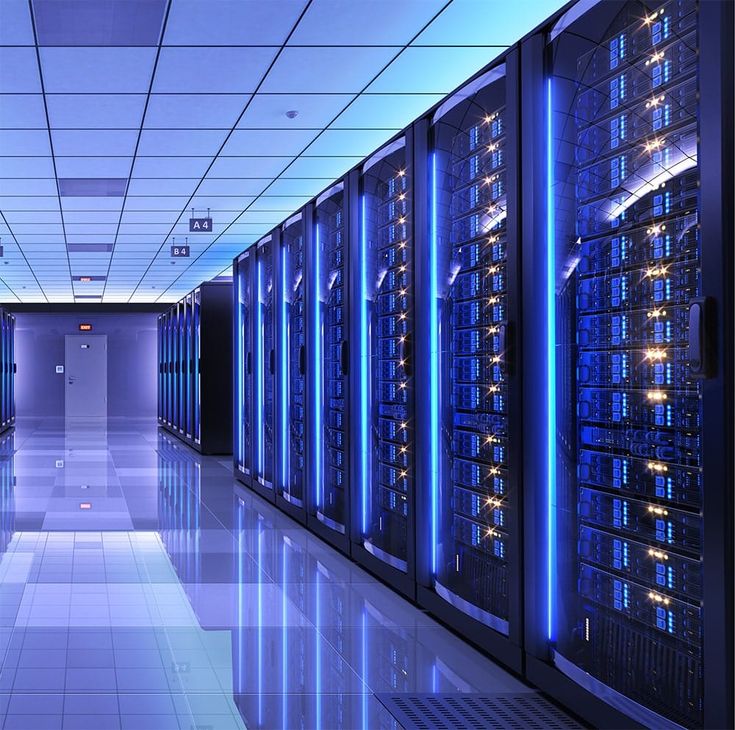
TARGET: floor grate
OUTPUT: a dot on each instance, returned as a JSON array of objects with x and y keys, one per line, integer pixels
[{"x": 459, "y": 711}]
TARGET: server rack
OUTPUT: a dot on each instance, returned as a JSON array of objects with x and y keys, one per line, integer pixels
[
  {"x": 332, "y": 264},
  {"x": 383, "y": 538},
  {"x": 468, "y": 500},
  {"x": 7, "y": 369},
  {"x": 195, "y": 368},
  {"x": 242, "y": 276},
  {"x": 629, "y": 205},
  {"x": 291, "y": 358},
  {"x": 263, "y": 358}
]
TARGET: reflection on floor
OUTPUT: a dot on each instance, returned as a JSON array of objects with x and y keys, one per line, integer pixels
[{"x": 140, "y": 587}]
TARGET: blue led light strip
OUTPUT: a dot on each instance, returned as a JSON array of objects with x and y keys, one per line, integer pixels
[
  {"x": 285, "y": 375},
  {"x": 434, "y": 369},
  {"x": 259, "y": 364},
  {"x": 240, "y": 358},
  {"x": 364, "y": 363},
  {"x": 550, "y": 372},
  {"x": 317, "y": 365}
]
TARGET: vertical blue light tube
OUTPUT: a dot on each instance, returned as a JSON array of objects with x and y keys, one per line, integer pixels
[
  {"x": 434, "y": 368},
  {"x": 550, "y": 370},
  {"x": 364, "y": 364},
  {"x": 285, "y": 379},
  {"x": 317, "y": 365},
  {"x": 259, "y": 364},
  {"x": 240, "y": 367}
]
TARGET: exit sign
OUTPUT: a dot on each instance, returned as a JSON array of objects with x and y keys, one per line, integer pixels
[
  {"x": 180, "y": 252},
  {"x": 200, "y": 225},
  {"x": 85, "y": 327}
]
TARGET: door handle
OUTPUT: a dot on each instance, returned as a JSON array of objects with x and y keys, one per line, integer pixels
[
  {"x": 700, "y": 337},
  {"x": 302, "y": 360},
  {"x": 272, "y": 362},
  {"x": 344, "y": 357}
]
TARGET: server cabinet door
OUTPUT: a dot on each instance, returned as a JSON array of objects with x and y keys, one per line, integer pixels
[
  {"x": 264, "y": 360},
  {"x": 169, "y": 367},
  {"x": 5, "y": 369},
  {"x": 11, "y": 365},
  {"x": 175, "y": 364},
  {"x": 243, "y": 348},
  {"x": 196, "y": 359},
  {"x": 386, "y": 459},
  {"x": 189, "y": 366},
  {"x": 159, "y": 401},
  {"x": 470, "y": 494},
  {"x": 182, "y": 345},
  {"x": 626, "y": 485},
  {"x": 291, "y": 349},
  {"x": 331, "y": 362}
]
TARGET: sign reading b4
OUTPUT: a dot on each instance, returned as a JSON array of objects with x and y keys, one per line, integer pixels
[{"x": 200, "y": 225}]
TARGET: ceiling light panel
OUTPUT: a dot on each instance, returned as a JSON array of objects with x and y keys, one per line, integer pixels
[
  {"x": 231, "y": 23},
  {"x": 194, "y": 111},
  {"x": 95, "y": 111},
  {"x": 335, "y": 22},
  {"x": 111, "y": 23},
  {"x": 325, "y": 70},
  {"x": 19, "y": 71},
  {"x": 97, "y": 70},
  {"x": 465, "y": 22},
  {"x": 25, "y": 112},
  {"x": 208, "y": 70}
]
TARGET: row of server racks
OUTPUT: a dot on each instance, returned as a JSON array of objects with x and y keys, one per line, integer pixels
[
  {"x": 195, "y": 368},
  {"x": 493, "y": 363},
  {"x": 8, "y": 369}
]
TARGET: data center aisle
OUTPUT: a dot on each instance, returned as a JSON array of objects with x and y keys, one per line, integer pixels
[{"x": 141, "y": 588}]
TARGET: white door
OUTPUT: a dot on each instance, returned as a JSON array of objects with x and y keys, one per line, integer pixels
[{"x": 86, "y": 376}]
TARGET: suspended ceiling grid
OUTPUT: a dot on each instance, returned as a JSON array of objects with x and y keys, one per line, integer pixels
[{"x": 120, "y": 117}]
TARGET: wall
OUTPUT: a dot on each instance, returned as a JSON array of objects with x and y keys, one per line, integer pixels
[{"x": 131, "y": 361}]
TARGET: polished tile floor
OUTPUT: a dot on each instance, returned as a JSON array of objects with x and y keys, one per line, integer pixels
[{"x": 141, "y": 587}]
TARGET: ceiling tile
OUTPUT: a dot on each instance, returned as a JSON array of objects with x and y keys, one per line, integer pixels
[
  {"x": 15, "y": 23},
  {"x": 228, "y": 23},
  {"x": 449, "y": 68},
  {"x": 181, "y": 142},
  {"x": 24, "y": 112},
  {"x": 19, "y": 71},
  {"x": 376, "y": 111},
  {"x": 97, "y": 70},
  {"x": 335, "y": 22},
  {"x": 109, "y": 23},
  {"x": 211, "y": 70},
  {"x": 105, "y": 142},
  {"x": 194, "y": 111},
  {"x": 486, "y": 22},
  {"x": 95, "y": 111},
  {"x": 255, "y": 142},
  {"x": 320, "y": 70}
]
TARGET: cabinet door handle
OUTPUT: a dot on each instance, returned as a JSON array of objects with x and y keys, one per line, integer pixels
[
  {"x": 345, "y": 357},
  {"x": 272, "y": 362},
  {"x": 302, "y": 360},
  {"x": 700, "y": 337}
]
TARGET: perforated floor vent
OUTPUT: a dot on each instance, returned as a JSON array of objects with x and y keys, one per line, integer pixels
[{"x": 475, "y": 711}]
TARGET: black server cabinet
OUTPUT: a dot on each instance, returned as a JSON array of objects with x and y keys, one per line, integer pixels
[
  {"x": 7, "y": 369},
  {"x": 196, "y": 365},
  {"x": 264, "y": 365},
  {"x": 383, "y": 529},
  {"x": 335, "y": 217},
  {"x": 291, "y": 356},
  {"x": 243, "y": 268},
  {"x": 628, "y": 277},
  {"x": 468, "y": 409}
]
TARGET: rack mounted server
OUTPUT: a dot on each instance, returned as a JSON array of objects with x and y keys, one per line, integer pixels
[
  {"x": 492, "y": 363},
  {"x": 194, "y": 368}
]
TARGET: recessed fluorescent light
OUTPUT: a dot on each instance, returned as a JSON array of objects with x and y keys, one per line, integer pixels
[
  {"x": 88, "y": 278},
  {"x": 88, "y": 247},
  {"x": 92, "y": 187}
]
